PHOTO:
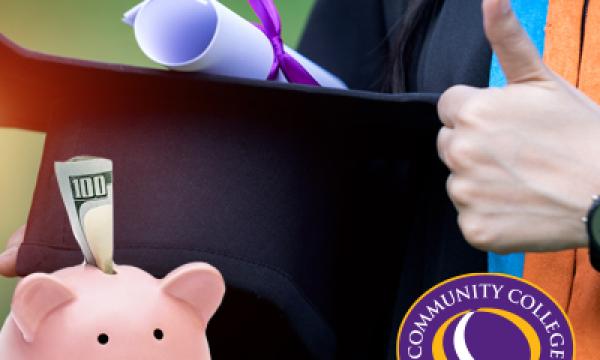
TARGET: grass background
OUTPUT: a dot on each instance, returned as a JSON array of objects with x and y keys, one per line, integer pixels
[{"x": 85, "y": 29}]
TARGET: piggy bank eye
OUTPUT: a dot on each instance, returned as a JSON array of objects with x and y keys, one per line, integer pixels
[
  {"x": 103, "y": 339},
  {"x": 158, "y": 334}
]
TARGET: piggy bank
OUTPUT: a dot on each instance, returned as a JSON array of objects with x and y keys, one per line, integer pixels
[{"x": 81, "y": 313}]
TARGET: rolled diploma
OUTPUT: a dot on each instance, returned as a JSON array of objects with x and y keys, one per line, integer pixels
[{"x": 206, "y": 36}]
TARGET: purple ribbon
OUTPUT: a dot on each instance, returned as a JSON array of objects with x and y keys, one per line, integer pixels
[{"x": 270, "y": 25}]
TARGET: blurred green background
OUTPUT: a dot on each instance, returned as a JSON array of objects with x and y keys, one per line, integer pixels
[{"x": 86, "y": 29}]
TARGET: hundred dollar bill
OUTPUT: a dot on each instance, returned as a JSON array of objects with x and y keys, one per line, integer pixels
[{"x": 86, "y": 186}]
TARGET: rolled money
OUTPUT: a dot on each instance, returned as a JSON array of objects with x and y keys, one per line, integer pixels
[
  {"x": 86, "y": 187},
  {"x": 206, "y": 36}
]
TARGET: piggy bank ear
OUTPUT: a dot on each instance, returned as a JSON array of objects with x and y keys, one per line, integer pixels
[
  {"x": 35, "y": 298},
  {"x": 199, "y": 285}
]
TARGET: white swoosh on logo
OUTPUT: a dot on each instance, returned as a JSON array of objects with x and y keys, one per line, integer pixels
[{"x": 460, "y": 343}]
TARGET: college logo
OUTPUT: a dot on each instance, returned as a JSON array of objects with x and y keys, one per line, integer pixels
[{"x": 485, "y": 316}]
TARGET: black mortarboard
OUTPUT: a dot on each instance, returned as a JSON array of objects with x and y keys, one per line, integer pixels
[{"x": 306, "y": 199}]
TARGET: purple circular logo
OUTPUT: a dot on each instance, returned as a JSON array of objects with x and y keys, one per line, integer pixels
[{"x": 485, "y": 316}]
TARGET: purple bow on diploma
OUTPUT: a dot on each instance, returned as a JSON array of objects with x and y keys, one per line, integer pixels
[{"x": 293, "y": 71}]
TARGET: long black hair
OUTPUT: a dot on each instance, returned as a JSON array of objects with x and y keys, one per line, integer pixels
[{"x": 406, "y": 35}]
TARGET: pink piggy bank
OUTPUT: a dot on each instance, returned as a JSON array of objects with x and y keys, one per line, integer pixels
[{"x": 81, "y": 313}]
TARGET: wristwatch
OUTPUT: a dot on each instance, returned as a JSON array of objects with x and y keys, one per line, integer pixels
[{"x": 592, "y": 221}]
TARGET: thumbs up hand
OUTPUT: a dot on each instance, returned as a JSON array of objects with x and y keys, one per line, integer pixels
[{"x": 524, "y": 159}]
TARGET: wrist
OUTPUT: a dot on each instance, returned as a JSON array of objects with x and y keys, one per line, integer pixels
[{"x": 580, "y": 234}]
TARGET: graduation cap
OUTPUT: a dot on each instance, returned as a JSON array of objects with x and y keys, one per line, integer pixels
[{"x": 319, "y": 206}]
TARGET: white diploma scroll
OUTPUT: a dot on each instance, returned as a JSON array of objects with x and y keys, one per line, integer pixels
[{"x": 206, "y": 36}]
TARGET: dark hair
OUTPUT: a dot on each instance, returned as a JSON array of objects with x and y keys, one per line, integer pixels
[{"x": 406, "y": 35}]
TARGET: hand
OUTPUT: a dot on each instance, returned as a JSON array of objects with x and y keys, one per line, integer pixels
[
  {"x": 524, "y": 159},
  {"x": 8, "y": 259}
]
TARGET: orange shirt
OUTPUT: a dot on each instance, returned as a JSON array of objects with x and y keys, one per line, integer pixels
[{"x": 568, "y": 275}]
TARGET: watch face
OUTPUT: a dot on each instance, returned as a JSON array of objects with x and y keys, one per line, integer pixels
[{"x": 594, "y": 225}]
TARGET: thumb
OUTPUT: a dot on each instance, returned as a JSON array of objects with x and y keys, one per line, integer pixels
[{"x": 518, "y": 55}]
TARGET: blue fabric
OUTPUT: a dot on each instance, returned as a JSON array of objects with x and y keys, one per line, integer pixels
[{"x": 532, "y": 14}]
